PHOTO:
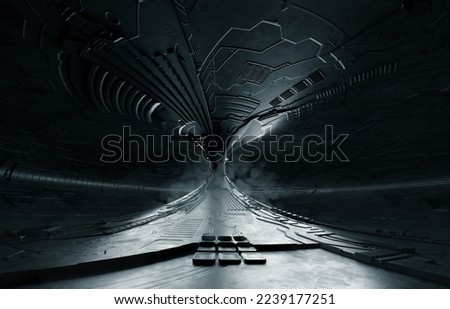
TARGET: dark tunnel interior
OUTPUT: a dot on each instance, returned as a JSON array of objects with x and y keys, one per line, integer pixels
[{"x": 207, "y": 143}]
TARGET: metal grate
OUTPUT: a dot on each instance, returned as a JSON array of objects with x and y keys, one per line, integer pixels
[
  {"x": 300, "y": 86},
  {"x": 276, "y": 102},
  {"x": 330, "y": 92},
  {"x": 255, "y": 73},
  {"x": 287, "y": 94},
  {"x": 316, "y": 77},
  {"x": 377, "y": 72}
]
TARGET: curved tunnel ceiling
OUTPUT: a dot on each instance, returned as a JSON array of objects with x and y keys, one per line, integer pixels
[
  {"x": 75, "y": 71},
  {"x": 274, "y": 58},
  {"x": 260, "y": 61}
]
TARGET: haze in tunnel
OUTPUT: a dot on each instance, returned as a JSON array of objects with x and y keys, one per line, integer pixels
[{"x": 198, "y": 136}]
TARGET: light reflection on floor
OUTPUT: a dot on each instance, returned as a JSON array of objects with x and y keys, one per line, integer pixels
[{"x": 312, "y": 268}]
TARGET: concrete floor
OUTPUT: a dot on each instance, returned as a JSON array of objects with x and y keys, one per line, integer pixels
[
  {"x": 224, "y": 211},
  {"x": 302, "y": 269}
]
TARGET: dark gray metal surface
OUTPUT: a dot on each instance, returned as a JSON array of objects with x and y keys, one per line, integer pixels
[{"x": 75, "y": 71}]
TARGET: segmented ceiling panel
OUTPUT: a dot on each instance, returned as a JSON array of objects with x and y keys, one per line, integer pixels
[
  {"x": 143, "y": 77},
  {"x": 233, "y": 107},
  {"x": 266, "y": 57},
  {"x": 254, "y": 73},
  {"x": 262, "y": 56},
  {"x": 114, "y": 94},
  {"x": 163, "y": 77}
]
